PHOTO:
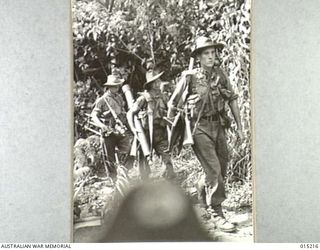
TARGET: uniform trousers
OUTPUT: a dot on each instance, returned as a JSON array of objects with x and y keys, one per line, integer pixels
[
  {"x": 210, "y": 147},
  {"x": 160, "y": 145},
  {"x": 123, "y": 143}
]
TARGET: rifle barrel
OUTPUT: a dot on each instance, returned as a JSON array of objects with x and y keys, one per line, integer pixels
[{"x": 92, "y": 130}]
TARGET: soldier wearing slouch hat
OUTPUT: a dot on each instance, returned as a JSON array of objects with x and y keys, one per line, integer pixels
[{"x": 209, "y": 90}]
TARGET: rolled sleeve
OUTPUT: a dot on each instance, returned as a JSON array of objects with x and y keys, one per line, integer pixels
[
  {"x": 226, "y": 90},
  {"x": 99, "y": 107}
]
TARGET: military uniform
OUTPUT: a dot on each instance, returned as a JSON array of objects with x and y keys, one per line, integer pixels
[
  {"x": 122, "y": 142},
  {"x": 159, "y": 139},
  {"x": 209, "y": 137},
  {"x": 154, "y": 103},
  {"x": 207, "y": 90}
]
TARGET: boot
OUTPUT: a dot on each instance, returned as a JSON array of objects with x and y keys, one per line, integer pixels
[{"x": 220, "y": 221}]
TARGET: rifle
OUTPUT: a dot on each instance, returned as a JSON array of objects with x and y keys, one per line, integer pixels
[
  {"x": 187, "y": 137},
  {"x": 150, "y": 124},
  {"x": 173, "y": 132},
  {"x": 105, "y": 133},
  {"x": 120, "y": 127}
]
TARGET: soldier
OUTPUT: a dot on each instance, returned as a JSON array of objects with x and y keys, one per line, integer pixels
[
  {"x": 151, "y": 106},
  {"x": 208, "y": 91},
  {"x": 114, "y": 128}
]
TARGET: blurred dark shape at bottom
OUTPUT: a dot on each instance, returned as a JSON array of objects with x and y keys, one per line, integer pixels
[{"x": 158, "y": 211}]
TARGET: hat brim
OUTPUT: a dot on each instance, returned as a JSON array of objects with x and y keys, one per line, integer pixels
[
  {"x": 216, "y": 45},
  {"x": 110, "y": 84},
  {"x": 153, "y": 78}
]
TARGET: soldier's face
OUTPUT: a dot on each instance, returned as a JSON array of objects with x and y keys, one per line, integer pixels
[
  {"x": 114, "y": 89},
  {"x": 156, "y": 84},
  {"x": 207, "y": 57}
]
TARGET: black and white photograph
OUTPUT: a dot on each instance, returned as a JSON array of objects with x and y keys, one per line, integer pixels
[{"x": 162, "y": 97}]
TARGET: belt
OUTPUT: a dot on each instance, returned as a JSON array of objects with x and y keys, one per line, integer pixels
[{"x": 210, "y": 118}]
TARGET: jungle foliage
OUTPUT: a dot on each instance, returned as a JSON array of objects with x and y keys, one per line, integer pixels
[{"x": 131, "y": 35}]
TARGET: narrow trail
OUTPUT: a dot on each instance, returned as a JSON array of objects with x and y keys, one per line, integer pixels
[{"x": 95, "y": 199}]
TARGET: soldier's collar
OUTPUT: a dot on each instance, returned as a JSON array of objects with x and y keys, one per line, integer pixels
[
  {"x": 155, "y": 93},
  {"x": 206, "y": 73}
]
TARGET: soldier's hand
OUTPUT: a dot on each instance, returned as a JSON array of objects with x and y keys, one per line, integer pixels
[
  {"x": 114, "y": 131},
  {"x": 188, "y": 72},
  {"x": 106, "y": 130},
  {"x": 194, "y": 98}
]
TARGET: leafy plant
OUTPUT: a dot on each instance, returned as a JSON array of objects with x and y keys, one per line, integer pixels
[{"x": 132, "y": 35}]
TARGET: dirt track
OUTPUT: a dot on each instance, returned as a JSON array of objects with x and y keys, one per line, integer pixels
[{"x": 242, "y": 217}]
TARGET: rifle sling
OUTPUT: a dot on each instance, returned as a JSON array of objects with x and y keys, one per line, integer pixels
[
  {"x": 113, "y": 113},
  {"x": 202, "y": 107},
  {"x": 200, "y": 112}
]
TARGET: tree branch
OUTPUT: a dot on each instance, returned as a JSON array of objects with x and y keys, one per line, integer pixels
[{"x": 128, "y": 50}]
